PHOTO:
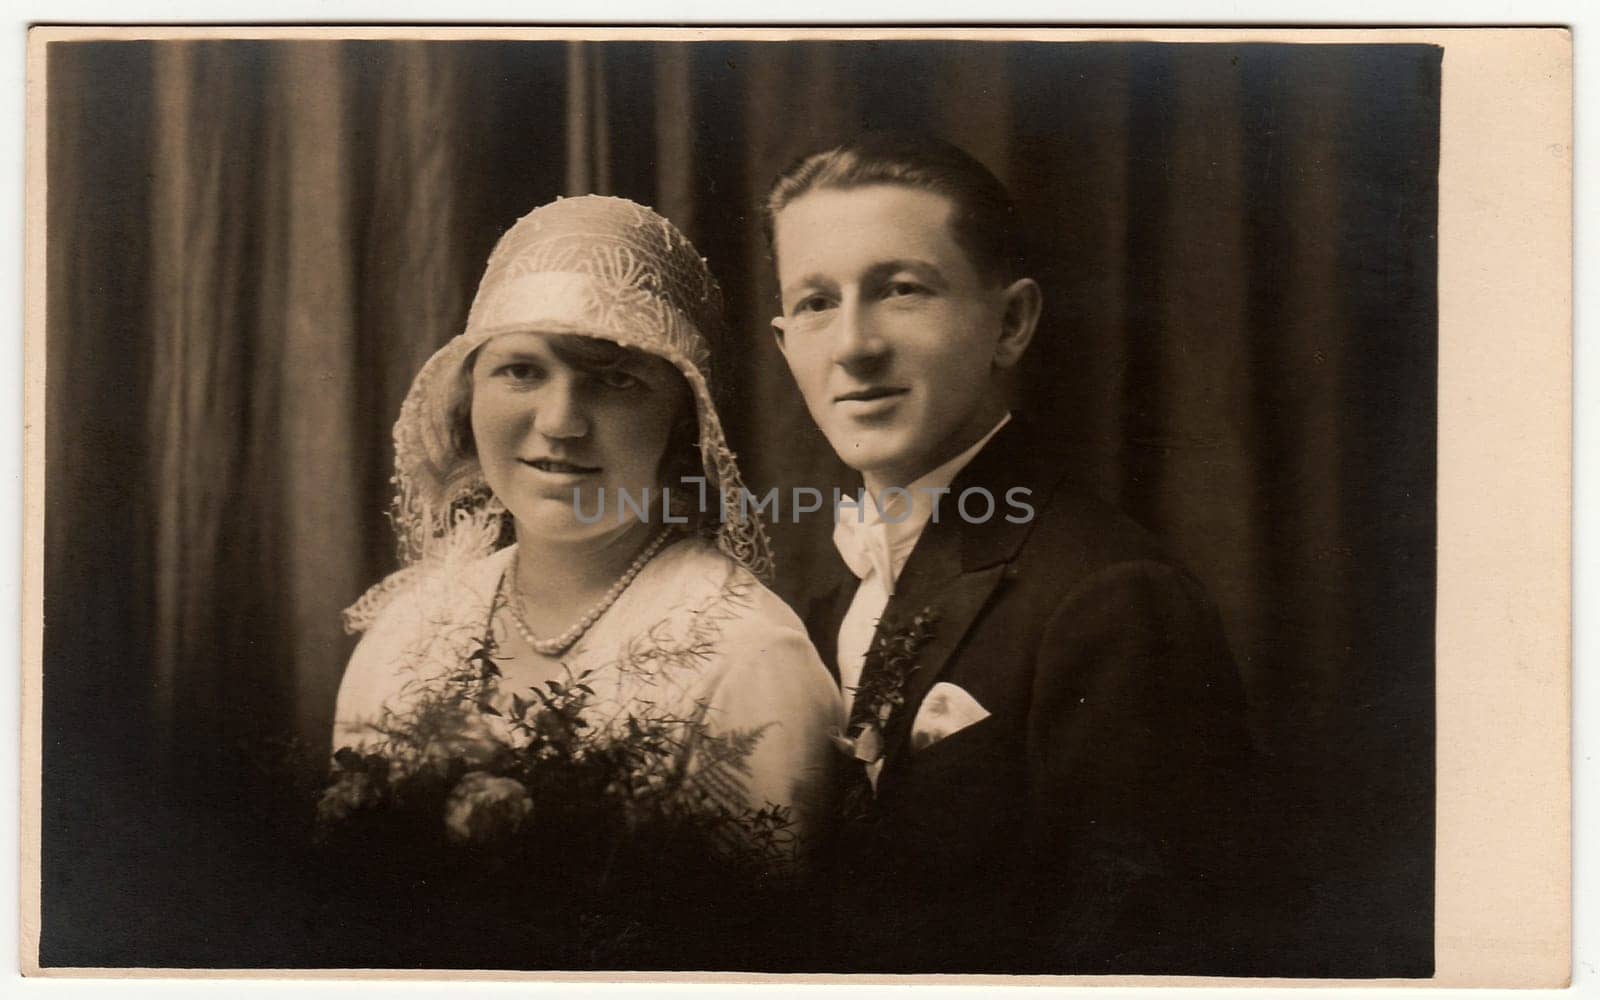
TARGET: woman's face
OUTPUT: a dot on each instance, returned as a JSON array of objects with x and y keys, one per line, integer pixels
[{"x": 557, "y": 437}]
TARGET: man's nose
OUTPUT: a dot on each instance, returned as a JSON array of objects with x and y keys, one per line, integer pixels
[
  {"x": 561, "y": 412},
  {"x": 857, "y": 342}
]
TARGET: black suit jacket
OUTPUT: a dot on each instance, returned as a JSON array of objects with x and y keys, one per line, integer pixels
[{"x": 1084, "y": 826}]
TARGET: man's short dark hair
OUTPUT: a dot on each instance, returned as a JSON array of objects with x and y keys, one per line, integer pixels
[{"x": 985, "y": 220}]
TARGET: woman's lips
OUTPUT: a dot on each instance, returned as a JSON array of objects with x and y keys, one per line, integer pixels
[{"x": 559, "y": 468}]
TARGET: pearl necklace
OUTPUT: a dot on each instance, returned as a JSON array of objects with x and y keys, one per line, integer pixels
[{"x": 564, "y": 641}]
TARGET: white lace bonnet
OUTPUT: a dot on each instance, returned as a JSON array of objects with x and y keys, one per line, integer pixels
[{"x": 599, "y": 267}]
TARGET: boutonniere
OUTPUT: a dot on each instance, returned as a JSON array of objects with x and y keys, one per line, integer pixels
[{"x": 888, "y": 665}]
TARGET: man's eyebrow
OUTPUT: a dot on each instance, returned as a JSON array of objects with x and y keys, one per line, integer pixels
[
  {"x": 926, "y": 270},
  {"x": 812, "y": 280}
]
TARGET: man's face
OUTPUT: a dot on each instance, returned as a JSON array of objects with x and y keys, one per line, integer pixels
[{"x": 893, "y": 337}]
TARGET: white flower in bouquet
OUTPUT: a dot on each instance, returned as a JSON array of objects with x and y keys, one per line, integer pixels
[
  {"x": 483, "y": 808},
  {"x": 353, "y": 792}
]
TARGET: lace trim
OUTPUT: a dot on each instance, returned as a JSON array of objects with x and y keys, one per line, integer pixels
[{"x": 475, "y": 532}]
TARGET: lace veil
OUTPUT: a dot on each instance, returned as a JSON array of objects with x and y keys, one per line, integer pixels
[{"x": 600, "y": 267}]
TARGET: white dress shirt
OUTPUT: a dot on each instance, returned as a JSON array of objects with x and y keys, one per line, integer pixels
[{"x": 875, "y": 544}]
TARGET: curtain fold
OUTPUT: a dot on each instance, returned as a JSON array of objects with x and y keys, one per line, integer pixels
[
  {"x": 303, "y": 266},
  {"x": 319, "y": 367},
  {"x": 203, "y": 272},
  {"x": 413, "y": 279}
]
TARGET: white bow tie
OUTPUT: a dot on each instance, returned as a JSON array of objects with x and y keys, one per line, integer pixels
[{"x": 868, "y": 547}]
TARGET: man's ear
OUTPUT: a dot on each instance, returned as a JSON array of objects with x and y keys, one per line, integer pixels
[
  {"x": 1021, "y": 302},
  {"x": 777, "y": 332}
]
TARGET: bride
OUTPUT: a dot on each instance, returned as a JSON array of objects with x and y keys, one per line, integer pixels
[{"x": 548, "y": 536}]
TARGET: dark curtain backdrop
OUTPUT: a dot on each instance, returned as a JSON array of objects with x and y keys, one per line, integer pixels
[{"x": 252, "y": 246}]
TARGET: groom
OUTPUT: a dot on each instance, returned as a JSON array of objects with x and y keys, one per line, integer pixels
[{"x": 1045, "y": 723}]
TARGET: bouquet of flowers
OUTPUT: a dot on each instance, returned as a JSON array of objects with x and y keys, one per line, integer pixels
[{"x": 545, "y": 840}]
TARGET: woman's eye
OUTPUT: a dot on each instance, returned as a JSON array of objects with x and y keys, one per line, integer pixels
[
  {"x": 616, "y": 378},
  {"x": 520, "y": 371}
]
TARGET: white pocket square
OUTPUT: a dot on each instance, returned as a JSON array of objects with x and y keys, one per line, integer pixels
[{"x": 946, "y": 710}]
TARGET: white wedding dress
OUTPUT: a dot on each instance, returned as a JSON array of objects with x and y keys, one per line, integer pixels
[{"x": 694, "y": 635}]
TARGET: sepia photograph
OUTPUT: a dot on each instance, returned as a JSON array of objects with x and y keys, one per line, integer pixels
[{"x": 715, "y": 502}]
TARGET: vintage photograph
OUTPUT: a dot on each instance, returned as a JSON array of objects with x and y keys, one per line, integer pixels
[{"x": 736, "y": 504}]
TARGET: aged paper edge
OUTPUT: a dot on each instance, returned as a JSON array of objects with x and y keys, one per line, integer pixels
[{"x": 1503, "y": 903}]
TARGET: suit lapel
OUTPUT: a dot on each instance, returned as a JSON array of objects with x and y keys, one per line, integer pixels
[
  {"x": 957, "y": 566},
  {"x": 825, "y": 614},
  {"x": 933, "y": 578}
]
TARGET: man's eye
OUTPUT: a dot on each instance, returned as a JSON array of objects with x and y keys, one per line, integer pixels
[
  {"x": 811, "y": 304},
  {"x": 901, "y": 289}
]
